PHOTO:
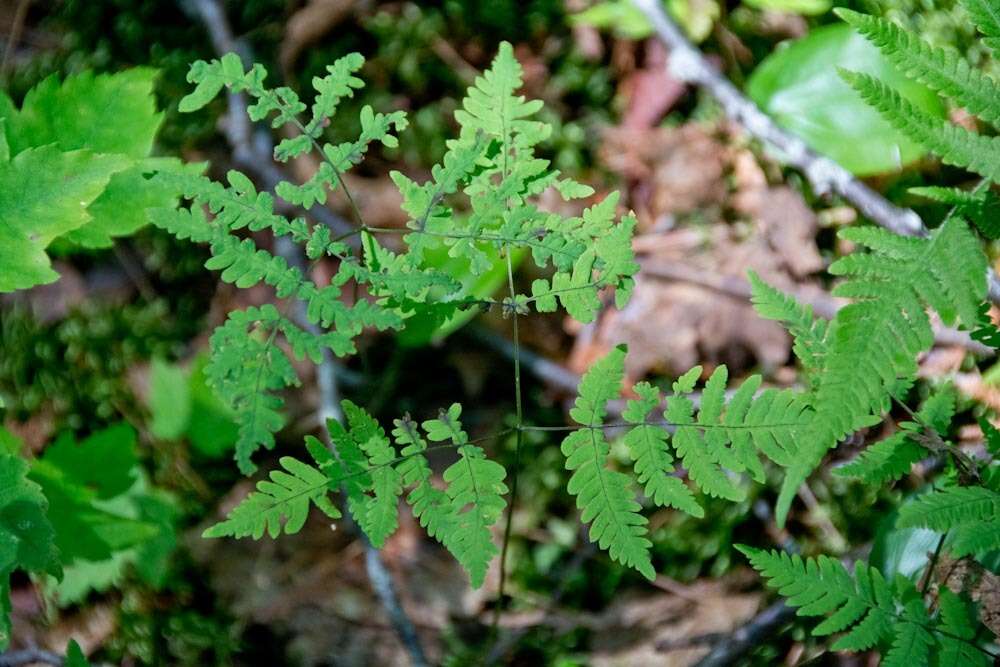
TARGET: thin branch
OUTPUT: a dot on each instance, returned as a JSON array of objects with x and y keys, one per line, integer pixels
[
  {"x": 255, "y": 150},
  {"x": 746, "y": 637},
  {"x": 688, "y": 64},
  {"x": 30, "y": 656}
]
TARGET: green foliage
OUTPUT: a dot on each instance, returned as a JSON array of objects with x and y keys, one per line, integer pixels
[
  {"x": 280, "y": 504},
  {"x": 74, "y": 165},
  {"x": 868, "y": 610},
  {"x": 799, "y": 87},
  {"x": 943, "y": 70},
  {"x": 970, "y": 514},
  {"x": 26, "y": 535},
  {"x": 491, "y": 164},
  {"x": 946, "y": 72},
  {"x": 980, "y": 206},
  {"x": 891, "y": 458}
]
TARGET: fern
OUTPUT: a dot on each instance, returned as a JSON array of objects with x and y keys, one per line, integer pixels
[
  {"x": 891, "y": 458},
  {"x": 721, "y": 440},
  {"x": 970, "y": 514},
  {"x": 604, "y": 496},
  {"x": 873, "y": 342},
  {"x": 280, "y": 503},
  {"x": 985, "y": 15},
  {"x": 865, "y": 608},
  {"x": 945, "y": 71},
  {"x": 980, "y": 206}
]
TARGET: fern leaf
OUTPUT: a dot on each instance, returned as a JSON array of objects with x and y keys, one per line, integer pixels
[
  {"x": 912, "y": 639},
  {"x": 378, "y": 516},
  {"x": 980, "y": 206},
  {"x": 280, "y": 504},
  {"x": 861, "y": 606},
  {"x": 893, "y": 457},
  {"x": 873, "y": 342},
  {"x": 475, "y": 492},
  {"x": 945, "y": 509},
  {"x": 245, "y": 370},
  {"x": 955, "y": 145},
  {"x": 603, "y": 496},
  {"x": 808, "y": 331},
  {"x": 958, "y": 634},
  {"x": 491, "y": 107},
  {"x": 647, "y": 445},
  {"x": 943, "y": 70},
  {"x": 986, "y": 15}
]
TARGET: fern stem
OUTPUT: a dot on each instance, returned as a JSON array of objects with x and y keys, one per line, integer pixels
[
  {"x": 932, "y": 564},
  {"x": 519, "y": 439}
]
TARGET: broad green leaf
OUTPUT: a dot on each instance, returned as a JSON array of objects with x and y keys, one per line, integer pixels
[
  {"x": 102, "y": 113},
  {"x": 800, "y": 88},
  {"x": 211, "y": 427},
  {"x": 44, "y": 193},
  {"x": 104, "y": 463}
]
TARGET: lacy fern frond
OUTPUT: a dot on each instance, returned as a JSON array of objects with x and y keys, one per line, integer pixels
[
  {"x": 864, "y": 607},
  {"x": 943, "y": 70},
  {"x": 604, "y": 496},
  {"x": 808, "y": 331},
  {"x": 246, "y": 369},
  {"x": 892, "y": 458},
  {"x": 280, "y": 504},
  {"x": 955, "y": 145}
]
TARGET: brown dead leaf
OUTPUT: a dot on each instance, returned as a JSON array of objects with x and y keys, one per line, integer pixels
[
  {"x": 788, "y": 224},
  {"x": 965, "y": 575},
  {"x": 679, "y": 170},
  {"x": 650, "y": 91}
]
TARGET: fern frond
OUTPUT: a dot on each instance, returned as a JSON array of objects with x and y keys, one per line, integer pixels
[
  {"x": 475, "y": 492},
  {"x": 808, "y": 331},
  {"x": 980, "y": 206},
  {"x": 279, "y": 504},
  {"x": 874, "y": 342},
  {"x": 378, "y": 514},
  {"x": 955, "y": 145},
  {"x": 951, "y": 507},
  {"x": 861, "y": 606},
  {"x": 943, "y": 70},
  {"x": 245, "y": 369},
  {"x": 647, "y": 445},
  {"x": 986, "y": 15},
  {"x": 958, "y": 633},
  {"x": 893, "y": 457},
  {"x": 603, "y": 496}
]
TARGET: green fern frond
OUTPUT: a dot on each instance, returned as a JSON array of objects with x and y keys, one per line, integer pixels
[
  {"x": 647, "y": 445},
  {"x": 279, "y": 504},
  {"x": 245, "y": 369},
  {"x": 955, "y": 145},
  {"x": 986, "y": 15},
  {"x": 958, "y": 633},
  {"x": 893, "y": 457},
  {"x": 943, "y": 70},
  {"x": 604, "y": 496},
  {"x": 874, "y": 342},
  {"x": 951, "y": 507},
  {"x": 865, "y": 608},
  {"x": 475, "y": 491},
  {"x": 980, "y": 206},
  {"x": 808, "y": 331}
]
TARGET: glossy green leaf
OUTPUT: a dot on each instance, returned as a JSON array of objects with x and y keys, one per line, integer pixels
[
  {"x": 799, "y": 86},
  {"x": 805, "y": 7},
  {"x": 169, "y": 400},
  {"x": 44, "y": 193}
]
